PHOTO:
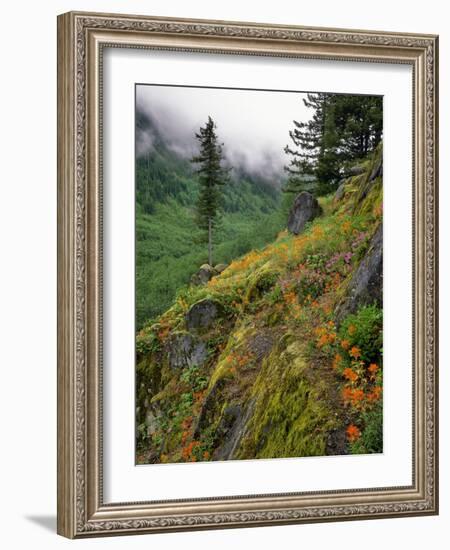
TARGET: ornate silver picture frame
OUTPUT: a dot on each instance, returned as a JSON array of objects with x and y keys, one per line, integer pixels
[{"x": 82, "y": 40}]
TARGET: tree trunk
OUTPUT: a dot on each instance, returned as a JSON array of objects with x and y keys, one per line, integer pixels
[{"x": 209, "y": 242}]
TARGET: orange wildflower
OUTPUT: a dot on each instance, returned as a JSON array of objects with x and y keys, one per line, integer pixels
[
  {"x": 353, "y": 396},
  {"x": 372, "y": 369},
  {"x": 322, "y": 341},
  {"x": 358, "y": 396},
  {"x": 346, "y": 226},
  {"x": 375, "y": 394},
  {"x": 350, "y": 375},
  {"x": 355, "y": 352},
  {"x": 347, "y": 394},
  {"x": 351, "y": 329},
  {"x": 186, "y": 452},
  {"x": 206, "y": 455},
  {"x": 345, "y": 344},
  {"x": 353, "y": 433}
]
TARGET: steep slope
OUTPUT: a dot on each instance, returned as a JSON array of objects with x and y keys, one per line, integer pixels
[{"x": 281, "y": 354}]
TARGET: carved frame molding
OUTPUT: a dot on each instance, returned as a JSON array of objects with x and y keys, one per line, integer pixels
[{"x": 81, "y": 37}]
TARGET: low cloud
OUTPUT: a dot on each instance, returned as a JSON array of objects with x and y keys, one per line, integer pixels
[{"x": 253, "y": 125}]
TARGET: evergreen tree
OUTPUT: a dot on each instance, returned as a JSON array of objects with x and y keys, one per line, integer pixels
[
  {"x": 343, "y": 128},
  {"x": 310, "y": 149},
  {"x": 211, "y": 176},
  {"x": 360, "y": 123}
]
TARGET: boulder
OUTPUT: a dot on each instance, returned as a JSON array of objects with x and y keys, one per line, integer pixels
[
  {"x": 203, "y": 314},
  {"x": 339, "y": 195},
  {"x": 185, "y": 350},
  {"x": 220, "y": 267},
  {"x": 304, "y": 210},
  {"x": 356, "y": 170},
  {"x": 366, "y": 285},
  {"x": 203, "y": 275}
]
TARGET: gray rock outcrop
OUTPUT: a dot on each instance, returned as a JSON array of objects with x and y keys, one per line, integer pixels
[
  {"x": 355, "y": 170},
  {"x": 185, "y": 350},
  {"x": 366, "y": 285},
  {"x": 304, "y": 210},
  {"x": 339, "y": 195},
  {"x": 203, "y": 314},
  {"x": 231, "y": 429},
  {"x": 203, "y": 275}
]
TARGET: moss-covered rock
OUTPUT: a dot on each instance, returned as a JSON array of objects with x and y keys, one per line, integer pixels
[
  {"x": 371, "y": 178},
  {"x": 291, "y": 415},
  {"x": 261, "y": 281}
]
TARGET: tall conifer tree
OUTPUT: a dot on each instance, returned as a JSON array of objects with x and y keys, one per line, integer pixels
[
  {"x": 342, "y": 129},
  {"x": 212, "y": 176}
]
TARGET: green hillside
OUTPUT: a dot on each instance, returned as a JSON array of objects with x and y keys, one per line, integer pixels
[
  {"x": 280, "y": 355},
  {"x": 169, "y": 248}
]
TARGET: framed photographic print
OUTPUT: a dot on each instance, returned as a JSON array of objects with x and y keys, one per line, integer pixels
[{"x": 247, "y": 288}]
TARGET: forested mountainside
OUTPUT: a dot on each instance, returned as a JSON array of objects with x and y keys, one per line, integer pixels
[
  {"x": 169, "y": 248},
  {"x": 279, "y": 354}
]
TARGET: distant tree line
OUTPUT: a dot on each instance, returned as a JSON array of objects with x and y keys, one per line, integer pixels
[{"x": 342, "y": 129}]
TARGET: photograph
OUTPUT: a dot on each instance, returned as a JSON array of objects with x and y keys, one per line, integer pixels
[
  {"x": 247, "y": 279},
  {"x": 258, "y": 274}
]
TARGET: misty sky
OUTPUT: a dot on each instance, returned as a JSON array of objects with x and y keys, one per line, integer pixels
[{"x": 253, "y": 125}]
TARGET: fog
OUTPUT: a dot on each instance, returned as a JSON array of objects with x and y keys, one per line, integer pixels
[{"x": 253, "y": 125}]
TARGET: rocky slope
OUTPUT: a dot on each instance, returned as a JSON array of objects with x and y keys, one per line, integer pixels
[{"x": 279, "y": 354}]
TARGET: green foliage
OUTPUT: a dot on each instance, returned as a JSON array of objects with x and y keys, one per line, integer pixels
[
  {"x": 194, "y": 378},
  {"x": 371, "y": 440},
  {"x": 364, "y": 330},
  {"x": 342, "y": 129},
  {"x": 148, "y": 344},
  {"x": 161, "y": 175},
  {"x": 166, "y": 258}
]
